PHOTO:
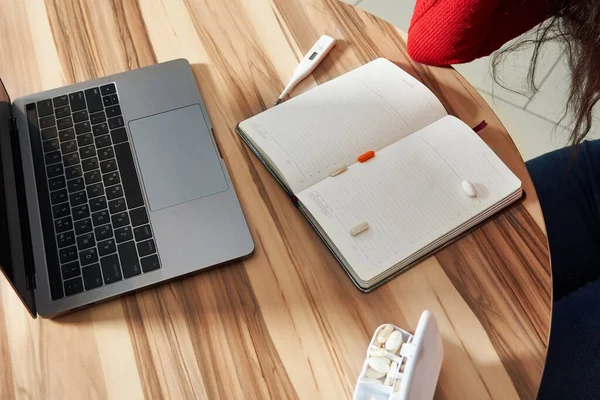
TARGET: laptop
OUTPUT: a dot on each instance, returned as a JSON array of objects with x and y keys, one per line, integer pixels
[{"x": 112, "y": 185}]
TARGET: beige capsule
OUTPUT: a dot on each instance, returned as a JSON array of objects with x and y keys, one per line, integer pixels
[{"x": 384, "y": 333}]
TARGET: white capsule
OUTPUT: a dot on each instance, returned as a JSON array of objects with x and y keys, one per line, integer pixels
[
  {"x": 384, "y": 333},
  {"x": 377, "y": 351},
  {"x": 360, "y": 228},
  {"x": 468, "y": 188},
  {"x": 338, "y": 170},
  {"x": 397, "y": 384},
  {"x": 380, "y": 364},
  {"x": 371, "y": 373},
  {"x": 393, "y": 343}
]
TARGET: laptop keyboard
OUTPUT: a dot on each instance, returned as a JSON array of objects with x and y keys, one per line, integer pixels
[{"x": 95, "y": 221}]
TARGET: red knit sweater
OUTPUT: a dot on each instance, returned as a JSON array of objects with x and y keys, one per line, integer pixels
[{"x": 446, "y": 32}]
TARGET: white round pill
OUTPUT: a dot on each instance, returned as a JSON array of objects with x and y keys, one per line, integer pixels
[
  {"x": 393, "y": 343},
  {"x": 380, "y": 364},
  {"x": 371, "y": 373},
  {"x": 377, "y": 351},
  {"x": 468, "y": 188},
  {"x": 384, "y": 333}
]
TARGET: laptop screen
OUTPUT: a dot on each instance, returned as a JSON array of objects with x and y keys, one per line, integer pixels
[{"x": 12, "y": 255}]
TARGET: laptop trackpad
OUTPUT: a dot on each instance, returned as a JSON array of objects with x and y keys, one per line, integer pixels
[{"x": 177, "y": 157}]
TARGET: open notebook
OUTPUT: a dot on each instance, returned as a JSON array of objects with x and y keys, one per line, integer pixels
[{"x": 410, "y": 193}]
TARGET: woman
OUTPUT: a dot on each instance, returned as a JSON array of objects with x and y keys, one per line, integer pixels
[{"x": 567, "y": 182}]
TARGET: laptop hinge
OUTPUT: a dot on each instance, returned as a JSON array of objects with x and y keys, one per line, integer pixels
[{"x": 29, "y": 265}]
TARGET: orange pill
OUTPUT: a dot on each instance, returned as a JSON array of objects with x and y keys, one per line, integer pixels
[{"x": 366, "y": 156}]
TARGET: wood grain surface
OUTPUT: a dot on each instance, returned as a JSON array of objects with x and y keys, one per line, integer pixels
[{"x": 286, "y": 322}]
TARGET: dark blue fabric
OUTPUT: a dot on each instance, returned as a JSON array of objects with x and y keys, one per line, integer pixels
[{"x": 569, "y": 191}]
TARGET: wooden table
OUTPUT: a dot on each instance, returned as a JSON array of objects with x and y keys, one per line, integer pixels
[{"x": 286, "y": 322}]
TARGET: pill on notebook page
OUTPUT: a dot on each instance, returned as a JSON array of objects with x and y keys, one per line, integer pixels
[
  {"x": 468, "y": 188},
  {"x": 338, "y": 170},
  {"x": 360, "y": 228},
  {"x": 380, "y": 364},
  {"x": 366, "y": 156},
  {"x": 384, "y": 333}
]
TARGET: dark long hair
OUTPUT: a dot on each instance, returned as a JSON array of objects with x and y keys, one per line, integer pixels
[{"x": 576, "y": 26}]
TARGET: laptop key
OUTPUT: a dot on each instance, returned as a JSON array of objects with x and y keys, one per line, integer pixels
[
  {"x": 85, "y": 140},
  {"x": 47, "y": 121},
  {"x": 108, "y": 89},
  {"x": 78, "y": 198},
  {"x": 62, "y": 112},
  {"x": 54, "y": 170},
  {"x": 100, "y": 129},
  {"x": 67, "y": 254},
  {"x": 100, "y": 218},
  {"x": 54, "y": 157},
  {"x": 111, "y": 178},
  {"x": 103, "y": 232},
  {"x": 51, "y": 145},
  {"x": 139, "y": 216},
  {"x": 115, "y": 122},
  {"x": 85, "y": 241},
  {"x": 106, "y": 153},
  {"x": 108, "y": 165},
  {"x": 59, "y": 196},
  {"x": 61, "y": 210},
  {"x": 83, "y": 226},
  {"x": 107, "y": 101},
  {"x": 114, "y": 192},
  {"x": 97, "y": 204},
  {"x": 65, "y": 239},
  {"x": 73, "y": 172},
  {"x": 117, "y": 205},
  {"x": 56, "y": 183},
  {"x": 75, "y": 185},
  {"x": 81, "y": 212},
  {"x": 80, "y": 116},
  {"x": 150, "y": 263},
  {"x": 49, "y": 133},
  {"x": 97, "y": 118},
  {"x": 113, "y": 111},
  {"x": 63, "y": 224},
  {"x": 131, "y": 183},
  {"x": 130, "y": 262},
  {"x": 87, "y": 152},
  {"x": 120, "y": 220},
  {"x": 92, "y": 277},
  {"x": 142, "y": 233},
  {"x": 111, "y": 269},
  {"x": 64, "y": 123},
  {"x": 94, "y": 99},
  {"x": 83, "y": 127},
  {"x": 88, "y": 257},
  {"x": 107, "y": 247},
  {"x": 90, "y": 164},
  {"x": 103, "y": 141},
  {"x": 123, "y": 234},
  {"x": 146, "y": 248},
  {"x": 73, "y": 286},
  {"x": 95, "y": 190},
  {"x": 44, "y": 107},
  {"x": 69, "y": 146},
  {"x": 70, "y": 160},
  {"x": 114, "y": 99},
  {"x": 119, "y": 135},
  {"x": 67, "y": 134},
  {"x": 70, "y": 270},
  {"x": 61, "y": 101},
  {"x": 93, "y": 176},
  {"x": 77, "y": 101}
]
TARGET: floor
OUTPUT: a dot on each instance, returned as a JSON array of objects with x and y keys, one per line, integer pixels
[{"x": 533, "y": 120}]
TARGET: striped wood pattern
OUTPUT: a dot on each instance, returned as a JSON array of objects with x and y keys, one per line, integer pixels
[{"x": 286, "y": 322}]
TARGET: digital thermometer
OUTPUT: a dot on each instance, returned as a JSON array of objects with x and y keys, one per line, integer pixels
[{"x": 308, "y": 64}]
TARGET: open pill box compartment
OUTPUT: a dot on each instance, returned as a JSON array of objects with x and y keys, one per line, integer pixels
[{"x": 414, "y": 369}]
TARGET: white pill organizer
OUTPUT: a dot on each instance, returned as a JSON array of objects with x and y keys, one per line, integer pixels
[{"x": 413, "y": 372}]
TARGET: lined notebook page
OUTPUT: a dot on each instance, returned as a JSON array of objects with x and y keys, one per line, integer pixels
[
  {"x": 368, "y": 108},
  {"x": 410, "y": 194}
]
